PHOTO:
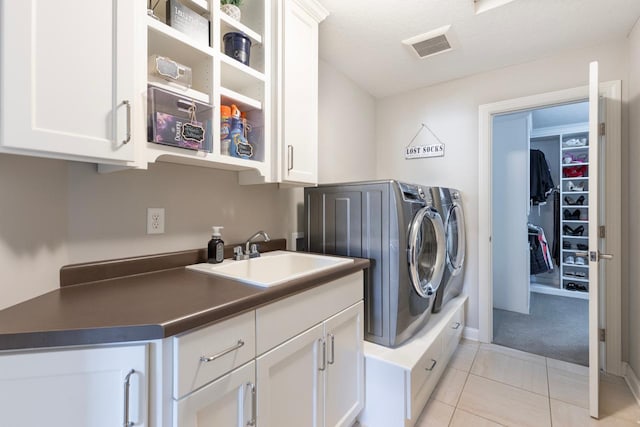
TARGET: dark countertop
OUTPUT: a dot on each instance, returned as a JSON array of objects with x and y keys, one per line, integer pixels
[{"x": 140, "y": 307}]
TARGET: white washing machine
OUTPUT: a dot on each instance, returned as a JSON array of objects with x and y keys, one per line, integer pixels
[
  {"x": 397, "y": 227},
  {"x": 448, "y": 202}
]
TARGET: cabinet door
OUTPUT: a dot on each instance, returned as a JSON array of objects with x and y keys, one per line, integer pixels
[
  {"x": 228, "y": 401},
  {"x": 299, "y": 94},
  {"x": 66, "y": 70},
  {"x": 74, "y": 388},
  {"x": 344, "y": 380},
  {"x": 289, "y": 379}
]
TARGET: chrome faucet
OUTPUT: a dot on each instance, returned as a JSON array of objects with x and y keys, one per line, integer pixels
[{"x": 250, "y": 248}]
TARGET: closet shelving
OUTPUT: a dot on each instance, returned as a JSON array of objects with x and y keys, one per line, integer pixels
[
  {"x": 574, "y": 278},
  {"x": 218, "y": 80}
]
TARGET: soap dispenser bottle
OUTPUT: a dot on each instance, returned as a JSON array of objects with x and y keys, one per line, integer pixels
[{"x": 215, "y": 250}]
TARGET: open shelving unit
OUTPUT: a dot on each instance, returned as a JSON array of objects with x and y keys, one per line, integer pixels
[
  {"x": 218, "y": 80},
  {"x": 574, "y": 276}
]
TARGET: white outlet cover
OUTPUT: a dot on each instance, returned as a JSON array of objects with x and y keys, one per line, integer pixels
[{"x": 155, "y": 220}]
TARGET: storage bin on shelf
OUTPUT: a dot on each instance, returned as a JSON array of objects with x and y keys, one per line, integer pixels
[{"x": 178, "y": 120}]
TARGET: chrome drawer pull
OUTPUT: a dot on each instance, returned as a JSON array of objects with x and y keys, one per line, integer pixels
[
  {"x": 324, "y": 355},
  {"x": 433, "y": 365},
  {"x": 239, "y": 344},
  {"x": 457, "y": 325},
  {"x": 252, "y": 421},
  {"x": 127, "y": 383},
  {"x": 333, "y": 345},
  {"x": 127, "y": 104}
]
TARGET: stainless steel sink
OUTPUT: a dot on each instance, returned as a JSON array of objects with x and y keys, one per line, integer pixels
[{"x": 272, "y": 268}]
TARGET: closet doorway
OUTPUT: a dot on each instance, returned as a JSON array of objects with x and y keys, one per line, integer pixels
[
  {"x": 610, "y": 214},
  {"x": 540, "y": 187}
]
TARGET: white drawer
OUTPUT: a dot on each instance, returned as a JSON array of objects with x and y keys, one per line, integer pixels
[
  {"x": 226, "y": 345},
  {"x": 424, "y": 376},
  {"x": 453, "y": 331},
  {"x": 277, "y": 322}
]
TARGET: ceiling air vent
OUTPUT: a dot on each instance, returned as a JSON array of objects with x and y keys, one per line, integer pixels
[{"x": 431, "y": 43}]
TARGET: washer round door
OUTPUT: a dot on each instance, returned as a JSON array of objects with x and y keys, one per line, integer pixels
[
  {"x": 426, "y": 251},
  {"x": 455, "y": 239}
]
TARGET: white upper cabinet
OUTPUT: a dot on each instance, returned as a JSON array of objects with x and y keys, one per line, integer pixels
[
  {"x": 297, "y": 90},
  {"x": 67, "y": 78}
]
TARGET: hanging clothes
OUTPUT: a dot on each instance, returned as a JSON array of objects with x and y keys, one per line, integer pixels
[
  {"x": 540, "y": 255},
  {"x": 540, "y": 181}
]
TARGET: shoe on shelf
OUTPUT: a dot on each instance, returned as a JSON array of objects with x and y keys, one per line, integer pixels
[
  {"x": 580, "y": 261},
  {"x": 580, "y": 274},
  {"x": 569, "y": 273},
  {"x": 568, "y": 231},
  {"x": 574, "y": 171},
  {"x": 581, "y": 287},
  {"x": 566, "y": 245},
  {"x": 575, "y": 142},
  {"x": 569, "y": 260},
  {"x": 578, "y": 202},
  {"x": 573, "y": 187},
  {"x": 570, "y": 286},
  {"x": 580, "y": 158},
  {"x": 583, "y": 247}
]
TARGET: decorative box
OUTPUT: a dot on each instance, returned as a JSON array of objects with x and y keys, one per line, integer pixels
[{"x": 187, "y": 21}]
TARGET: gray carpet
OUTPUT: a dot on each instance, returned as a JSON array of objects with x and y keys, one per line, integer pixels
[{"x": 557, "y": 327}]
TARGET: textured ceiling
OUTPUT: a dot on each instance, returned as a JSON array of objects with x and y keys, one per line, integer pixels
[{"x": 362, "y": 38}]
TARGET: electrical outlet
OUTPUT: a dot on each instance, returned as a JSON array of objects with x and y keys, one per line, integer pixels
[{"x": 155, "y": 220}]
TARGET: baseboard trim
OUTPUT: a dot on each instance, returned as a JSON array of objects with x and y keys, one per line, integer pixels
[
  {"x": 470, "y": 333},
  {"x": 632, "y": 380}
]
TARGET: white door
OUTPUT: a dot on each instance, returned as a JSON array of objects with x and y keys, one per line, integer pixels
[
  {"x": 74, "y": 388},
  {"x": 595, "y": 295},
  {"x": 229, "y": 401},
  {"x": 67, "y": 70},
  {"x": 299, "y": 93},
  {"x": 344, "y": 378},
  {"x": 510, "y": 210},
  {"x": 289, "y": 380}
]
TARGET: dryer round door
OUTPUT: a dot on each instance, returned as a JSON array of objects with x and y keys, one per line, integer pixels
[
  {"x": 426, "y": 251},
  {"x": 455, "y": 239}
]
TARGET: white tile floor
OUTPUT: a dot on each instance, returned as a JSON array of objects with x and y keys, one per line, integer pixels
[{"x": 489, "y": 385}]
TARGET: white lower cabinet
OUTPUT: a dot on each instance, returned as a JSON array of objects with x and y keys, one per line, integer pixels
[
  {"x": 296, "y": 362},
  {"x": 290, "y": 382},
  {"x": 98, "y": 387},
  {"x": 228, "y": 401},
  {"x": 317, "y": 378},
  {"x": 344, "y": 376},
  {"x": 399, "y": 381}
]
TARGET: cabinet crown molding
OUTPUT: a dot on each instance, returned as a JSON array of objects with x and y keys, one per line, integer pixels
[{"x": 314, "y": 8}]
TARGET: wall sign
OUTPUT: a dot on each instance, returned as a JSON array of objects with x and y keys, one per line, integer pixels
[{"x": 423, "y": 151}]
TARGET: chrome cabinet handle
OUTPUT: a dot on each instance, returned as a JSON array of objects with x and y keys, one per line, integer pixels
[
  {"x": 333, "y": 344},
  {"x": 290, "y": 158},
  {"x": 127, "y": 104},
  {"x": 433, "y": 365},
  {"x": 324, "y": 355},
  {"x": 127, "y": 383},
  {"x": 456, "y": 325},
  {"x": 234, "y": 347},
  {"x": 252, "y": 421}
]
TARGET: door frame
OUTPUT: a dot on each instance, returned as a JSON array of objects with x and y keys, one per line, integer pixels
[{"x": 612, "y": 91}]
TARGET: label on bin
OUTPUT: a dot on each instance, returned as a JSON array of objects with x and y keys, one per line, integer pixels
[{"x": 191, "y": 132}]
